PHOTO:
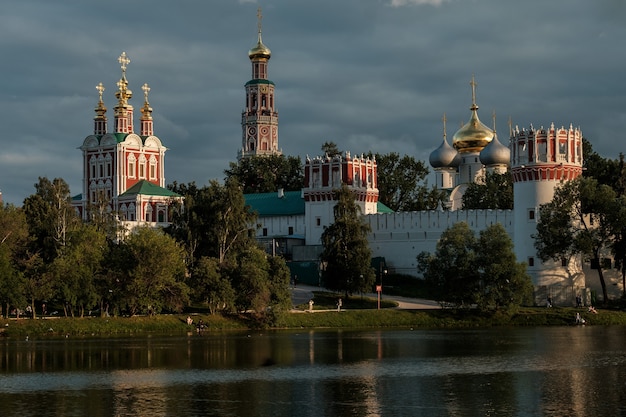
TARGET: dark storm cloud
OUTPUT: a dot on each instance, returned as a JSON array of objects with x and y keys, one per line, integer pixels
[{"x": 367, "y": 74}]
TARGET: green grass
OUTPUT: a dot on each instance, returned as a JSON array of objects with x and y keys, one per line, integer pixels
[{"x": 360, "y": 312}]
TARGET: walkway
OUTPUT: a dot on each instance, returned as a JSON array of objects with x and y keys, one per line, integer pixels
[{"x": 303, "y": 293}]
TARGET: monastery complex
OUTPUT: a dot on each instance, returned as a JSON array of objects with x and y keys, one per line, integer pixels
[{"x": 126, "y": 168}]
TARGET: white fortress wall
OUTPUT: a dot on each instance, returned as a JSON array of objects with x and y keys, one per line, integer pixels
[{"x": 400, "y": 237}]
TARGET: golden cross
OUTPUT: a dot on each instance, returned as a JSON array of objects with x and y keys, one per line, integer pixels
[
  {"x": 124, "y": 61},
  {"x": 493, "y": 116},
  {"x": 473, "y": 84},
  {"x": 100, "y": 89},
  {"x": 146, "y": 90},
  {"x": 259, "y": 15},
  {"x": 444, "y": 119}
]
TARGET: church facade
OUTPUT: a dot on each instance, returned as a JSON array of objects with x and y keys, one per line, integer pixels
[{"x": 124, "y": 170}]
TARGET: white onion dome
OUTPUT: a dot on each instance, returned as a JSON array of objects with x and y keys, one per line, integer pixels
[
  {"x": 445, "y": 156},
  {"x": 495, "y": 153}
]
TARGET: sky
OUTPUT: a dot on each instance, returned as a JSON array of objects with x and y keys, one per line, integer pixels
[{"x": 369, "y": 75}]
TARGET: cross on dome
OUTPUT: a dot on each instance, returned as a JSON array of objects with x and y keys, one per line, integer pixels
[
  {"x": 146, "y": 90},
  {"x": 124, "y": 60}
]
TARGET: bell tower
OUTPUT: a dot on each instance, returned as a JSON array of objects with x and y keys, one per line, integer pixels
[{"x": 259, "y": 119}]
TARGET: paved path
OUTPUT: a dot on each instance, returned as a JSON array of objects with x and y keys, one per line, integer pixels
[{"x": 303, "y": 293}]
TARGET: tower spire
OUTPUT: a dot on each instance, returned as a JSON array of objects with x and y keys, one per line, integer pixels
[
  {"x": 100, "y": 120},
  {"x": 473, "y": 84},
  {"x": 123, "y": 110},
  {"x": 147, "y": 128}
]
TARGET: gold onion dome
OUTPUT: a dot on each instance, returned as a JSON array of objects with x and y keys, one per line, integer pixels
[
  {"x": 474, "y": 135},
  {"x": 260, "y": 51}
]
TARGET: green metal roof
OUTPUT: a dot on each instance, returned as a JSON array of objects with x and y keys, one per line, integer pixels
[
  {"x": 260, "y": 81},
  {"x": 269, "y": 204},
  {"x": 144, "y": 187},
  {"x": 381, "y": 208}
]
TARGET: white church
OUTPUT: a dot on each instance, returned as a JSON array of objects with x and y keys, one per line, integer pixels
[{"x": 539, "y": 159}]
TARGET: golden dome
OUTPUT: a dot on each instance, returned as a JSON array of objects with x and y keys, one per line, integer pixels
[
  {"x": 473, "y": 136},
  {"x": 260, "y": 51}
]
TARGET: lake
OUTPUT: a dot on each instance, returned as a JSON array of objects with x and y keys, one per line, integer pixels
[{"x": 544, "y": 371}]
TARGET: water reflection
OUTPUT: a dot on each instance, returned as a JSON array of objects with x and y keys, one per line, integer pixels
[{"x": 574, "y": 371}]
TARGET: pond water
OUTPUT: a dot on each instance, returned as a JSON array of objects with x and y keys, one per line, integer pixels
[{"x": 555, "y": 371}]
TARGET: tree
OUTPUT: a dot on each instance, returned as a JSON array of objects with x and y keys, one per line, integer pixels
[
  {"x": 330, "y": 149},
  {"x": 483, "y": 271},
  {"x": 215, "y": 221},
  {"x": 580, "y": 219},
  {"x": 50, "y": 216},
  {"x": 13, "y": 246},
  {"x": 451, "y": 271},
  {"x": 495, "y": 193},
  {"x": 211, "y": 287},
  {"x": 504, "y": 282},
  {"x": 249, "y": 274},
  {"x": 265, "y": 174},
  {"x": 76, "y": 270},
  {"x": 150, "y": 271},
  {"x": 402, "y": 184},
  {"x": 346, "y": 252}
]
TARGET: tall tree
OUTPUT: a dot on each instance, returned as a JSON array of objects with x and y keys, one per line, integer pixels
[
  {"x": 50, "y": 216},
  {"x": 504, "y": 282},
  {"x": 331, "y": 149},
  {"x": 402, "y": 183},
  {"x": 465, "y": 270},
  {"x": 451, "y": 270},
  {"x": 215, "y": 221},
  {"x": 346, "y": 252},
  {"x": 151, "y": 273},
  {"x": 496, "y": 192},
  {"x": 211, "y": 287},
  {"x": 579, "y": 220},
  {"x": 77, "y": 269},
  {"x": 13, "y": 247},
  {"x": 265, "y": 174}
]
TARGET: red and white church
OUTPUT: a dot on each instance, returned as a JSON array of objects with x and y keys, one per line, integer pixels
[{"x": 124, "y": 170}]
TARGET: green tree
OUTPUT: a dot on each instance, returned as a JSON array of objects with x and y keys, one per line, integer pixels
[
  {"x": 265, "y": 174},
  {"x": 504, "y": 282},
  {"x": 579, "y": 221},
  {"x": 215, "y": 221},
  {"x": 495, "y": 193},
  {"x": 465, "y": 270},
  {"x": 331, "y": 149},
  {"x": 211, "y": 287},
  {"x": 402, "y": 183},
  {"x": 451, "y": 270},
  {"x": 13, "y": 247},
  {"x": 151, "y": 273},
  {"x": 50, "y": 217},
  {"x": 346, "y": 254},
  {"x": 76, "y": 270},
  {"x": 250, "y": 278}
]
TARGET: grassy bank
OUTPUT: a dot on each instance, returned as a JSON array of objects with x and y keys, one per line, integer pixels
[{"x": 356, "y": 318}]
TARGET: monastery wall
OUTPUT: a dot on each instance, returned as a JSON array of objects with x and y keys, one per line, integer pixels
[{"x": 400, "y": 237}]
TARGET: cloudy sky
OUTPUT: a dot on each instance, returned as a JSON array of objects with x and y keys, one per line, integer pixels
[{"x": 366, "y": 74}]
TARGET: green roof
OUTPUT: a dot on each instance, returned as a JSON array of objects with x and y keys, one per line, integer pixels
[
  {"x": 269, "y": 204},
  {"x": 144, "y": 187},
  {"x": 381, "y": 208},
  {"x": 292, "y": 203},
  {"x": 260, "y": 81}
]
